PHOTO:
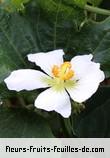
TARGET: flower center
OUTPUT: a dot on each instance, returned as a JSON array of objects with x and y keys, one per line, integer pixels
[{"x": 63, "y": 72}]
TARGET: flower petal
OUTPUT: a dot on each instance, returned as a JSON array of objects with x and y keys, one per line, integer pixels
[
  {"x": 25, "y": 79},
  {"x": 80, "y": 64},
  {"x": 88, "y": 82},
  {"x": 47, "y": 60},
  {"x": 50, "y": 100}
]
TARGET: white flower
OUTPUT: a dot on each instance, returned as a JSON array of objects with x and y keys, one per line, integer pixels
[{"x": 78, "y": 79}]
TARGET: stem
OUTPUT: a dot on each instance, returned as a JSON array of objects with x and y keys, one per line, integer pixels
[
  {"x": 69, "y": 127},
  {"x": 64, "y": 127},
  {"x": 72, "y": 127},
  {"x": 97, "y": 10}
]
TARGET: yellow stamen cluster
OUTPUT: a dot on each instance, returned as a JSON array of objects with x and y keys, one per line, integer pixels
[{"x": 64, "y": 72}]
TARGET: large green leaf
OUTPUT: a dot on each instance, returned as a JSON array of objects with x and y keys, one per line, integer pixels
[
  {"x": 52, "y": 20},
  {"x": 21, "y": 123},
  {"x": 95, "y": 120},
  {"x": 59, "y": 7},
  {"x": 16, "y": 41},
  {"x": 95, "y": 38}
]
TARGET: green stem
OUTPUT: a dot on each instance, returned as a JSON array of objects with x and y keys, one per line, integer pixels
[
  {"x": 69, "y": 127},
  {"x": 97, "y": 10},
  {"x": 64, "y": 128},
  {"x": 72, "y": 125}
]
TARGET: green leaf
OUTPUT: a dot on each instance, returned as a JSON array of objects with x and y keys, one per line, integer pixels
[
  {"x": 50, "y": 28},
  {"x": 21, "y": 123},
  {"x": 95, "y": 120},
  {"x": 59, "y": 8},
  {"x": 80, "y": 3},
  {"x": 16, "y": 41},
  {"x": 96, "y": 40},
  {"x": 13, "y": 5},
  {"x": 102, "y": 51}
]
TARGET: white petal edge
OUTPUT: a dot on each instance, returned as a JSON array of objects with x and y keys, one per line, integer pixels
[
  {"x": 50, "y": 100},
  {"x": 25, "y": 79},
  {"x": 80, "y": 64},
  {"x": 88, "y": 84},
  {"x": 47, "y": 60}
]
